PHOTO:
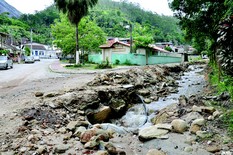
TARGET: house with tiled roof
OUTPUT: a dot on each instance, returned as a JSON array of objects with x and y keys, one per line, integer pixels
[
  {"x": 40, "y": 50},
  {"x": 117, "y": 51}
]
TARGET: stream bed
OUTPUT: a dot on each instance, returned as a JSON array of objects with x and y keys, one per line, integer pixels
[{"x": 191, "y": 82}]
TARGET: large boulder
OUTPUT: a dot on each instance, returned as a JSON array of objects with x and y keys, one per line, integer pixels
[
  {"x": 118, "y": 105},
  {"x": 100, "y": 115},
  {"x": 179, "y": 125},
  {"x": 151, "y": 133}
]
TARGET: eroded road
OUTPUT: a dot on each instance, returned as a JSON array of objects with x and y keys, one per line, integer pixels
[{"x": 18, "y": 85}]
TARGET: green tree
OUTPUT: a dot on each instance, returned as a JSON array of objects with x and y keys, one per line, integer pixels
[
  {"x": 75, "y": 10},
  {"x": 200, "y": 20},
  {"x": 90, "y": 35}
]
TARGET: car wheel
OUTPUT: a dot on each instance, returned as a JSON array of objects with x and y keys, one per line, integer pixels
[
  {"x": 12, "y": 66},
  {"x": 6, "y": 67}
]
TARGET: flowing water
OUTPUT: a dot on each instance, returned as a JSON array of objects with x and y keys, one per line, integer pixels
[{"x": 191, "y": 83}]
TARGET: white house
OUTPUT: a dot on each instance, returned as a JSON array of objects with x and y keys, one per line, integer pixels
[{"x": 40, "y": 50}]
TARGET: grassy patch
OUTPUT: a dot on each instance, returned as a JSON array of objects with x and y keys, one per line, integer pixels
[
  {"x": 81, "y": 66},
  {"x": 224, "y": 83},
  {"x": 228, "y": 121}
]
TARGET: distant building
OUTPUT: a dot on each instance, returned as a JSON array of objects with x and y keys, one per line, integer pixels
[
  {"x": 40, "y": 50},
  {"x": 117, "y": 51}
]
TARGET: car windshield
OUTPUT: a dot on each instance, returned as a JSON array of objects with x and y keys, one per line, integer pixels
[{"x": 3, "y": 58}]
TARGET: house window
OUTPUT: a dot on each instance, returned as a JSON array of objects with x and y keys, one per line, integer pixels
[
  {"x": 155, "y": 53},
  {"x": 32, "y": 52},
  {"x": 41, "y": 52}
]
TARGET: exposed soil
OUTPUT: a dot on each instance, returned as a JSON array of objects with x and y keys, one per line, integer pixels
[{"x": 24, "y": 131}]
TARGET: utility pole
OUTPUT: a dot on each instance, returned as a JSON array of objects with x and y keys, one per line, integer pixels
[
  {"x": 31, "y": 43},
  {"x": 131, "y": 38}
]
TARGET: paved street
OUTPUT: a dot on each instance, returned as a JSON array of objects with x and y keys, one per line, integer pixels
[
  {"x": 18, "y": 85},
  {"x": 27, "y": 72}
]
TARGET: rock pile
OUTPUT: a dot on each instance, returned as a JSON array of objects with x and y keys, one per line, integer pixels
[{"x": 76, "y": 122}]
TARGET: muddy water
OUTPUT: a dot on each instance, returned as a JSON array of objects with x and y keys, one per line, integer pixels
[{"x": 191, "y": 83}]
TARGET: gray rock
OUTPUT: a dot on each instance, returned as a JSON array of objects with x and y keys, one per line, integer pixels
[
  {"x": 41, "y": 149},
  {"x": 79, "y": 131},
  {"x": 155, "y": 152},
  {"x": 188, "y": 149},
  {"x": 93, "y": 143},
  {"x": 213, "y": 149},
  {"x": 182, "y": 100},
  {"x": 62, "y": 130},
  {"x": 61, "y": 148},
  {"x": 72, "y": 125},
  {"x": 23, "y": 149},
  {"x": 199, "y": 122},
  {"x": 179, "y": 125},
  {"x": 144, "y": 92},
  {"x": 110, "y": 148},
  {"x": 39, "y": 94},
  {"x": 151, "y": 133},
  {"x": 164, "y": 126},
  {"x": 216, "y": 114},
  {"x": 188, "y": 118},
  {"x": 202, "y": 134},
  {"x": 118, "y": 105},
  {"x": 101, "y": 153},
  {"x": 147, "y": 100}
]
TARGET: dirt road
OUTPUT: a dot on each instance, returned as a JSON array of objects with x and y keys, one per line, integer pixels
[{"x": 18, "y": 85}]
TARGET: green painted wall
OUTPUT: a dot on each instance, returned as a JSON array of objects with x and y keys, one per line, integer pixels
[
  {"x": 163, "y": 59},
  {"x": 137, "y": 59},
  {"x": 96, "y": 58}
]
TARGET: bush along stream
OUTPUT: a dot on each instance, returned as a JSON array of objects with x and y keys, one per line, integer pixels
[{"x": 145, "y": 110}]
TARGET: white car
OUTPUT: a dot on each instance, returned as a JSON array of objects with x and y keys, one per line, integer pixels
[
  {"x": 29, "y": 59},
  {"x": 36, "y": 58},
  {"x": 6, "y": 62}
]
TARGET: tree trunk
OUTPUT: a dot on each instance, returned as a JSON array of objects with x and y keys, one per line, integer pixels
[{"x": 77, "y": 47}]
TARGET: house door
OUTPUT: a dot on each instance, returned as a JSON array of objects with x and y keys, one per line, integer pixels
[{"x": 36, "y": 53}]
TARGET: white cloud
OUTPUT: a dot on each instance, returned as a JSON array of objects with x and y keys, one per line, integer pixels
[{"x": 30, "y": 6}]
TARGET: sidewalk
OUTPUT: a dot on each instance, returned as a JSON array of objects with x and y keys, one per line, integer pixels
[{"x": 59, "y": 67}]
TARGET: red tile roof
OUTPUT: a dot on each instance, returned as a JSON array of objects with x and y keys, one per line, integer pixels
[{"x": 111, "y": 44}]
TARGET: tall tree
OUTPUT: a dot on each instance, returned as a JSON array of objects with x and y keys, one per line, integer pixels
[
  {"x": 75, "y": 10},
  {"x": 200, "y": 19},
  {"x": 90, "y": 35}
]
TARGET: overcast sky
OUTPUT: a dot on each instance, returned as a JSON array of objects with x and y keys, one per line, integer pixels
[{"x": 30, "y": 6}]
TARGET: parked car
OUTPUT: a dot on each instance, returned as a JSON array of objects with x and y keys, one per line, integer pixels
[
  {"x": 36, "y": 58},
  {"x": 6, "y": 62},
  {"x": 29, "y": 59}
]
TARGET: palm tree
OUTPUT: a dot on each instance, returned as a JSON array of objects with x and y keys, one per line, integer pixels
[{"x": 75, "y": 10}]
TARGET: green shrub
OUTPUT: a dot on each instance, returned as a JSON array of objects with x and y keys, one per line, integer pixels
[
  {"x": 168, "y": 48},
  {"x": 127, "y": 62},
  {"x": 4, "y": 52},
  {"x": 117, "y": 62},
  {"x": 228, "y": 122},
  {"x": 225, "y": 83},
  {"x": 104, "y": 65}
]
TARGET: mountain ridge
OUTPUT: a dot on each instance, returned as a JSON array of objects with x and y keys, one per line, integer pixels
[{"x": 5, "y": 7}]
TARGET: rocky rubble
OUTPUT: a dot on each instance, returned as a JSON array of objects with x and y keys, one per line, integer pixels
[{"x": 77, "y": 121}]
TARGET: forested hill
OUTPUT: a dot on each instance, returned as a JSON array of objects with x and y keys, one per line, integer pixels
[
  {"x": 5, "y": 7},
  {"x": 113, "y": 16}
]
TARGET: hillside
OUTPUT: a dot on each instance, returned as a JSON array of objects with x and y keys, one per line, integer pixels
[{"x": 5, "y": 7}]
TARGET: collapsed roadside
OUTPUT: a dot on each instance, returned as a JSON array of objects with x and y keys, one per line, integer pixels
[{"x": 71, "y": 122}]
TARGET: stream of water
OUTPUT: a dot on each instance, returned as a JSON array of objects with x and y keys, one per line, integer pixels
[{"x": 191, "y": 83}]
